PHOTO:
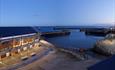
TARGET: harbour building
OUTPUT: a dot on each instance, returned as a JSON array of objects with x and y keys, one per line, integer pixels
[{"x": 14, "y": 40}]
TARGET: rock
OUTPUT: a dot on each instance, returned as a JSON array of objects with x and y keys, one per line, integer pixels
[{"x": 106, "y": 46}]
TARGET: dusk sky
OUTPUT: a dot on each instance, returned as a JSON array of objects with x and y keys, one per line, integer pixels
[{"x": 56, "y": 12}]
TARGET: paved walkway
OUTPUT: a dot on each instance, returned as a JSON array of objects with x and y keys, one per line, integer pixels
[
  {"x": 50, "y": 59},
  {"x": 60, "y": 61},
  {"x": 30, "y": 60},
  {"x": 14, "y": 62}
]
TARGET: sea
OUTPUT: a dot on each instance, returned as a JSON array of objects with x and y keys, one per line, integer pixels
[{"x": 76, "y": 39}]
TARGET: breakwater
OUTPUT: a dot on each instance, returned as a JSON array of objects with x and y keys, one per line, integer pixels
[
  {"x": 97, "y": 31},
  {"x": 55, "y": 33}
]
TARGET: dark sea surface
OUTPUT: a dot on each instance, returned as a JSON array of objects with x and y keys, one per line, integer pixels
[
  {"x": 75, "y": 40},
  {"x": 13, "y": 31}
]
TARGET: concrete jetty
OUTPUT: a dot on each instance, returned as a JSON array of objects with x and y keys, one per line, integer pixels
[
  {"x": 55, "y": 33},
  {"x": 98, "y": 31}
]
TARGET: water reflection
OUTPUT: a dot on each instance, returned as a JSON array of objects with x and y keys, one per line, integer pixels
[{"x": 75, "y": 40}]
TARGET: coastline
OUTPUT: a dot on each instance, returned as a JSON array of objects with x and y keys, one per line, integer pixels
[{"x": 60, "y": 60}]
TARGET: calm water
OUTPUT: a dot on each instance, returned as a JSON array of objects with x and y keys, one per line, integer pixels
[{"x": 75, "y": 40}]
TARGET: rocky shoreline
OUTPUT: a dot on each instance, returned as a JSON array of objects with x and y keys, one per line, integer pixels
[{"x": 106, "y": 46}]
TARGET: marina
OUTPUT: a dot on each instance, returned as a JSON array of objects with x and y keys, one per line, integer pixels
[
  {"x": 57, "y": 34},
  {"x": 28, "y": 48}
]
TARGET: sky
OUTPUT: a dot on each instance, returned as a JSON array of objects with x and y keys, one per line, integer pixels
[{"x": 56, "y": 12}]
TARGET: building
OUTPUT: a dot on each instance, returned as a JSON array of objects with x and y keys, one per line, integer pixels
[{"x": 11, "y": 44}]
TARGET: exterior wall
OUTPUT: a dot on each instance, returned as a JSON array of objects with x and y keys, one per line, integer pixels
[
  {"x": 15, "y": 45},
  {"x": 5, "y": 44},
  {"x": 16, "y": 42}
]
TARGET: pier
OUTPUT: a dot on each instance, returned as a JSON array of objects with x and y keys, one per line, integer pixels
[
  {"x": 55, "y": 33},
  {"x": 98, "y": 31}
]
